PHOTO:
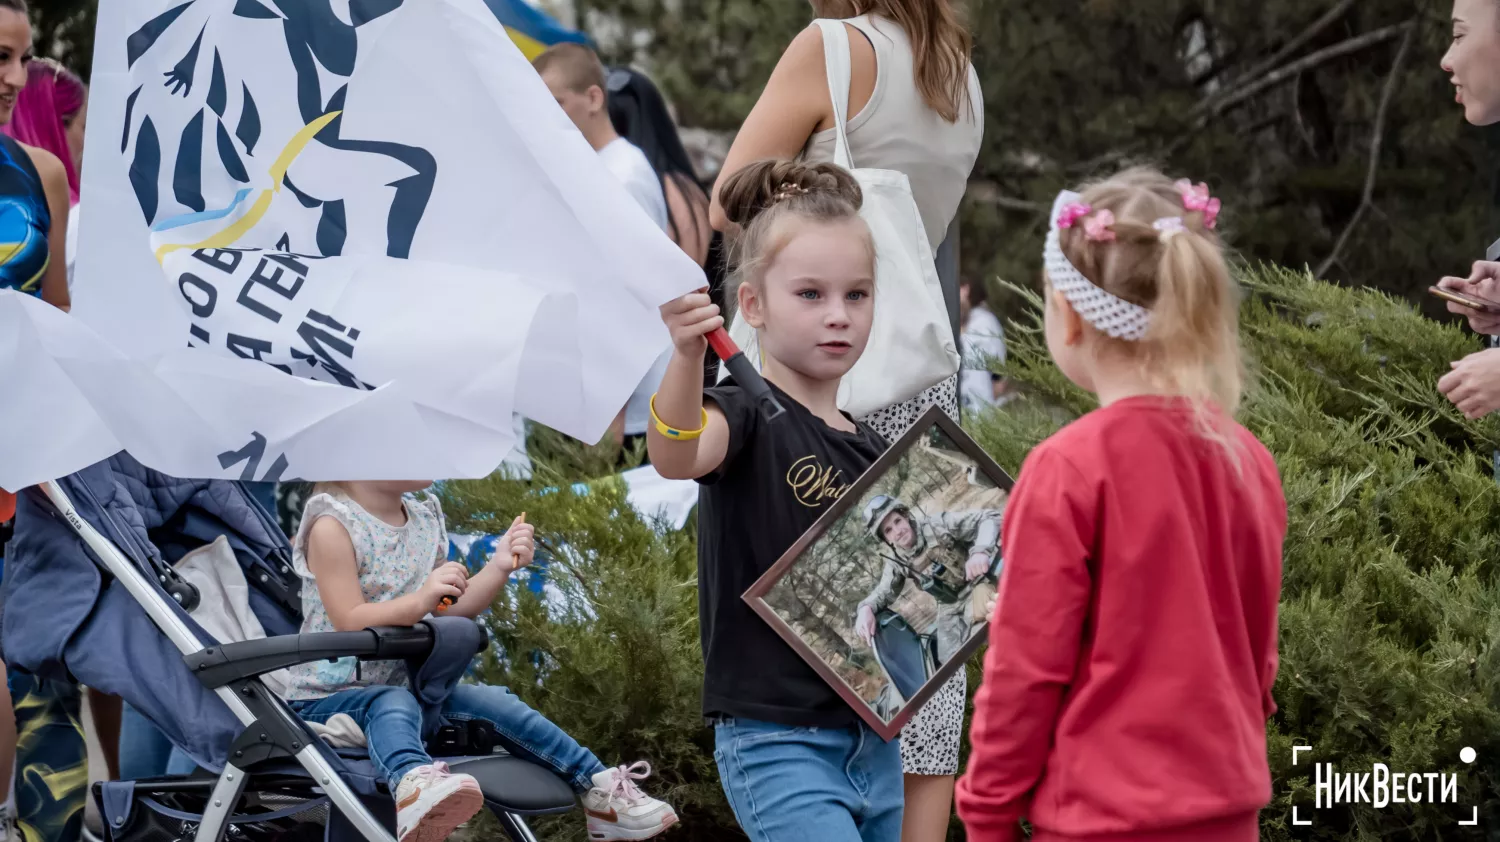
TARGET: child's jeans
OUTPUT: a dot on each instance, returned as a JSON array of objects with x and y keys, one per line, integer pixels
[
  {"x": 792, "y": 784},
  {"x": 392, "y": 721}
]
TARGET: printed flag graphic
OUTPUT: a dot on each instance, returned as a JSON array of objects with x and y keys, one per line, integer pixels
[{"x": 330, "y": 239}]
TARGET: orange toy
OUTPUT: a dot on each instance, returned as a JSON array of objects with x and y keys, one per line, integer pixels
[{"x": 515, "y": 562}]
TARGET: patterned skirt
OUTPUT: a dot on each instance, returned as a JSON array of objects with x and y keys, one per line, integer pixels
[{"x": 929, "y": 742}]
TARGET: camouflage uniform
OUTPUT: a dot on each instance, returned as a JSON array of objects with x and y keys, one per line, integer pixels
[{"x": 936, "y": 563}]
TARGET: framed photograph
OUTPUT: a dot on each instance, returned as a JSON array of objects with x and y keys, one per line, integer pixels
[{"x": 888, "y": 594}]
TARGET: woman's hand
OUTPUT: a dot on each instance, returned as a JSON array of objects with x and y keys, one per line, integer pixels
[
  {"x": 691, "y": 318},
  {"x": 979, "y": 564},
  {"x": 1474, "y": 384},
  {"x": 518, "y": 545},
  {"x": 864, "y": 625},
  {"x": 450, "y": 579},
  {"x": 1483, "y": 282}
]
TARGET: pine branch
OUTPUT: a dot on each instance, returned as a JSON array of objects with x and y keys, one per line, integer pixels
[
  {"x": 989, "y": 192},
  {"x": 1328, "y": 19},
  {"x": 1377, "y": 138},
  {"x": 1287, "y": 72}
]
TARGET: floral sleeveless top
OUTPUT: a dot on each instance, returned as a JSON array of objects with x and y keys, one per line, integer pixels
[{"x": 393, "y": 562}]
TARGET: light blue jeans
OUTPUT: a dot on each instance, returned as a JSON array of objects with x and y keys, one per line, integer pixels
[
  {"x": 793, "y": 784},
  {"x": 392, "y": 721},
  {"x": 145, "y": 752}
]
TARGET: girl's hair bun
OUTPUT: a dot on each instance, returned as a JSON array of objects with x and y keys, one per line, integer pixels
[{"x": 766, "y": 184}]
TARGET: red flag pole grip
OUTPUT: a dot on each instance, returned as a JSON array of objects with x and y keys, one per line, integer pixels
[{"x": 745, "y": 374}]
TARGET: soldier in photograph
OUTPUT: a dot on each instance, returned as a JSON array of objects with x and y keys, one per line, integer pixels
[{"x": 954, "y": 556}]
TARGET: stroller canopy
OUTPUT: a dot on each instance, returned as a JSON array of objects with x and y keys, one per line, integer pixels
[{"x": 66, "y": 618}]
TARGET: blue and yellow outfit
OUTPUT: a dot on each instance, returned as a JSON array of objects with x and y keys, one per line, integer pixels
[
  {"x": 51, "y": 756},
  {"x": 25, "y": 220}
]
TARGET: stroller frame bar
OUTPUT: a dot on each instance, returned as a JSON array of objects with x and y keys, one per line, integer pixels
[
  {"x": 221, "y": 803},
  {"x": 232, "y": 780}
]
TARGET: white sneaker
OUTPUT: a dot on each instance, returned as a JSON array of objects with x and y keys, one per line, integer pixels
[
  {"x": 618, "y": 811},
  {"x": 431, "y": 803}
]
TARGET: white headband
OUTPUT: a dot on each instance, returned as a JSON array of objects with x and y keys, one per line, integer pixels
[{"x": 1107, "y": 312}]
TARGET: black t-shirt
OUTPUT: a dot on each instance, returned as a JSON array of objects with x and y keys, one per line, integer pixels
[{"x": 777, "y": 479}]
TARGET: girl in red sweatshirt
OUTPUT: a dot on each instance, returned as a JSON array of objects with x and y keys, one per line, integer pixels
[{"x": 1133, "y": 646}]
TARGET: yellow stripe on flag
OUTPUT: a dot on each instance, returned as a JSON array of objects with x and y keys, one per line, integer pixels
[
  {"x": 530, "y": 47},
  {"x": 241, "y": 226}
]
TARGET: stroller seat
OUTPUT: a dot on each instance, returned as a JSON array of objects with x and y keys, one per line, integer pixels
[{"x": 91, "y": 595}]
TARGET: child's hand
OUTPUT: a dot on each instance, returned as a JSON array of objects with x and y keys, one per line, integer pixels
[
  {"x": 518, "y": 545},
  {"x": 451, "y": 580},
  {"x": 690, "y": 318}
]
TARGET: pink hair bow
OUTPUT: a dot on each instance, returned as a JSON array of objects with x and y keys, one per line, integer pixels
[
  {"x": 1072, "y": 212},
  {"x": 1197, "y": 198},
  {"x": 1096, "y": 228}
]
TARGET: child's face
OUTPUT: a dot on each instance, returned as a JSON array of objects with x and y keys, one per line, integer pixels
[
  {"x": 1066, "y": 340},
  {"x": 897, "y": 531},
  {"x": 1473, "y": 59},
  {"x": 816, "y": 301}
]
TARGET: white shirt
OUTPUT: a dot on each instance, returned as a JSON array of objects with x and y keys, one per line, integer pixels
[
  {"x": 629, "y": 165},
  {"x": 517, "y": 464},
  {"x": 896, "y": 130},
  {"x": 983, "y": 339}
]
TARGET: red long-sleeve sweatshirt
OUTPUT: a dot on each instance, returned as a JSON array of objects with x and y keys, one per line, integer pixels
[{"x": 1133, "y": 647}]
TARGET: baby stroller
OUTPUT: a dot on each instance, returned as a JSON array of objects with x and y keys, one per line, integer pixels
[{"x": 91, "y": 595}]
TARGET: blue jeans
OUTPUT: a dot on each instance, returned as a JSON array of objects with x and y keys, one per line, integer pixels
[
  {"x": 392, "y": 721},
  {"x": 145, "y": 752},
  {"x": 792, "y": 784}
]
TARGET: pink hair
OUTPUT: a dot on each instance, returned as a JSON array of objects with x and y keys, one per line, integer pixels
[{"x": 53, "y": 96}]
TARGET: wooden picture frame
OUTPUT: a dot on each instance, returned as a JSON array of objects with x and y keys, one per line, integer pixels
[{"x": 811, "y": 596}]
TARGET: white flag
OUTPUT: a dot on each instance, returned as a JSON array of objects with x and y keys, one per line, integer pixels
[{"x": 330, "y": 239}]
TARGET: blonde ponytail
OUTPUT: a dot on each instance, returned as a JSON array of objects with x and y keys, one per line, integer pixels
[
  {"x": 1195, "y": 321},
  {"x": 1182, "y": 277}
]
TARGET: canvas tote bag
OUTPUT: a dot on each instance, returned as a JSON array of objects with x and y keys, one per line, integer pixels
[{"x": 911, "y": 344}]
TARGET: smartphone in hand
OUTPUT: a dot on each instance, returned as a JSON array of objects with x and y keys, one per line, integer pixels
[{"x": 1477, "y": 304}]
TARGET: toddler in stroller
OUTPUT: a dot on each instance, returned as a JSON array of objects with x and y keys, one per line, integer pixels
[
  {"x": 374, "y": 554},
  {"x": 95, "y": 592}
]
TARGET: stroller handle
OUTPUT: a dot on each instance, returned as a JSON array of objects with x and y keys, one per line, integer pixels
[{"x": 220, "y": 666}]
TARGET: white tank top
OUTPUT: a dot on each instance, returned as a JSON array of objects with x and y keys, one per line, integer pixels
[
  {"x": 896, "y": 130},
  {"x": 393, "y": 562}
]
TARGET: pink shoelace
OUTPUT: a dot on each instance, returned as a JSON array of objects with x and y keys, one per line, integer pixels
[
  {"x": 625, "y": 778},
  {"x": 435, "y": 770}
]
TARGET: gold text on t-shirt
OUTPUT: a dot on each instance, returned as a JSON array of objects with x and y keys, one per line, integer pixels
[{"x": 814, "y": 484}]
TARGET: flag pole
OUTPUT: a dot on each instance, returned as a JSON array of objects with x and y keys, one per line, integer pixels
[{"x": 745, "y": 374}]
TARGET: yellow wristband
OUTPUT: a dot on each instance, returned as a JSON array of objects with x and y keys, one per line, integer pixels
[{"x": 674, "y": 433}]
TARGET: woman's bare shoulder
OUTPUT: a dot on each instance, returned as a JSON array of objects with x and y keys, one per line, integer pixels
[
  {"x": 47, "y": 165},
  {"x": 806, "y": 50}
]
